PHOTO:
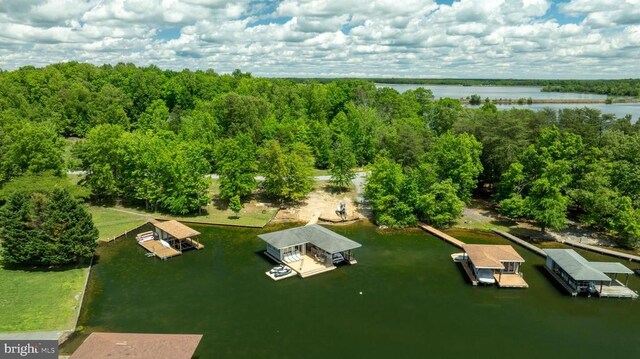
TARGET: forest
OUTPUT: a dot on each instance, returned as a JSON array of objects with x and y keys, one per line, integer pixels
[{"x": 149, "y": 137}]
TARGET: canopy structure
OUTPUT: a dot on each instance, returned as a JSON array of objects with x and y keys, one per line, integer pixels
[
  {"x": 579, "y": 268},
  {"x": 327, "y": 240},
  {"x": 491, "y": 256},
  {"x": 137, "y": 346}
]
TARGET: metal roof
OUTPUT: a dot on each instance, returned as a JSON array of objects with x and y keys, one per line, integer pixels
[
  {"x": 315, "y": 234},
  {"x": 611, "y": 267},
  {"x": 576, "y": 266}
]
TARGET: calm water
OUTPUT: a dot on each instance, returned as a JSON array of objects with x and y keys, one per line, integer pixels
[
  {"x": 415, "y": 302},
  {"x": 493, "y": 92},
  {"x": 517, "y": 92}
]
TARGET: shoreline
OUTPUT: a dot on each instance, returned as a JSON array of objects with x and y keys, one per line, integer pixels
[{"x": 526, "y": 101}]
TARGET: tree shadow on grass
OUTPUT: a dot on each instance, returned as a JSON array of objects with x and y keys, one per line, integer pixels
[
  {"x": 37, "y": 268},
  {"x": 333, "y": 189}
]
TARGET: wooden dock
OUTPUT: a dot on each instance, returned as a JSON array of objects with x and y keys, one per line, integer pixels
[
  {"x": 441, "y": 235},
  {"x": 195, "y": 244},
  {"x": 510, "y": 280},
  {"x": 469, "y": 271},
  {"x": 160, "y": 251},
  {"x": 629, "y": 257},
  {"x": 521, "y": 242}
]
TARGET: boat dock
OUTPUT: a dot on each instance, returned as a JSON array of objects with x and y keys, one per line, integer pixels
[
  {"x": 600, "y": 250},
  {"x": 158, "y": 250},
  {"x": 597, "y": 249},
  {"x": 441, "y": 235},
  {"x": 521, "y": 242}
]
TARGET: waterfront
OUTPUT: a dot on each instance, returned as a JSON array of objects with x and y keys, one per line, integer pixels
[
  {"x": 415, "y": 302},
  {"x": 518, "y": 92}
]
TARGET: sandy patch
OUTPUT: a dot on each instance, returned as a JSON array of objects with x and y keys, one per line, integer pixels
[{"x": 321, "y": 205}]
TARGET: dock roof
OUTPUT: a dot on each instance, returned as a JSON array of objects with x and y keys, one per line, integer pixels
[
  {"x": 315, "y": 234},
  {"x": 176, "y": 229},
  {"x": 137, "y": 346},
  {"x": 491, "y": 256},
  {"x": 581, "y": 269}
]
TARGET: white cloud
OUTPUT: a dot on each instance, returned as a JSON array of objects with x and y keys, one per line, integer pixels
[{"x": 470, "y": 38}]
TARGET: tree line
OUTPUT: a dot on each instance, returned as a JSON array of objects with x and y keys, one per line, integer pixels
[
  {"x": 149, "y": 137},
  {"x": 615, "y": 87}
]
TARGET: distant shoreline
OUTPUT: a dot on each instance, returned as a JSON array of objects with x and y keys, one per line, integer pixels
[{"x": 526, "y": 101}]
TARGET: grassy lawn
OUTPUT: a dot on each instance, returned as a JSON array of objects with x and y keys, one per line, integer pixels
[
  {"x": 40, "y": 300},
  {"x": 114, "y": 221}
]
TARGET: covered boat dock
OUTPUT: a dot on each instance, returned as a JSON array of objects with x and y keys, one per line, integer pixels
[
  {"x": 169, "y": 239},
  {"x": 310, "y": 249},
  {"x": 501, "y": 260},
  {"x": 578, "y": 275}
]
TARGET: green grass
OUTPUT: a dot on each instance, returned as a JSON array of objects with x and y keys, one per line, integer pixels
[
  {"x": 114, "y": 221},
  {"x": 40, "y": 300}
]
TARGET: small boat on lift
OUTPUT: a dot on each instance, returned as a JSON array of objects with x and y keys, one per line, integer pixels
[{"x": 281, "y": 272}]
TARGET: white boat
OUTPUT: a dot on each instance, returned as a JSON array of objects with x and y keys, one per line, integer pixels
[
  {"x": 337, "y": 258},
  {"x": 485, "y": 276},
  {"x": 282, "y": 272}
]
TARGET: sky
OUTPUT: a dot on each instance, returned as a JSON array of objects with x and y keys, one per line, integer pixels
[{"x": 332, "y": 38}]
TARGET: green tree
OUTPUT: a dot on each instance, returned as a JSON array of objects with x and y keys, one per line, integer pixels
[
  {"x": 475, "y": 100},
  {"x": 288, "y": 172},
  {"x": 342, "y": 162},
  {"x": 102, "y": 157},
  {"x": 442, "y": 115},
  {"x": 52, "y": 229},
  {"x": 440, "y": 205},
  {"x": 536, "y": 187},
  {"x": 31, "y": 148},
  {"x": 155, "y": 117},
  {"x": 235, "y": 204},
  {"x": 456, "y": 157},
  {"x": 237, "y": 166},
  {"x": 385, "y": 190}
]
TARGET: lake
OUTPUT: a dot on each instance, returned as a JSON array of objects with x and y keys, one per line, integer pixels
[
  {"x": 404, "y": 298},
  {"x": 518, "y": 92}
]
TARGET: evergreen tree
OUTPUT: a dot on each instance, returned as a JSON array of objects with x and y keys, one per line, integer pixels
[{"x": 46, "y": 229}]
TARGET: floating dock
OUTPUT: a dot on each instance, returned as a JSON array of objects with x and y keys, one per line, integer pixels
[
  {"x": 441, "y": 235},
  {"x": 600, "y": 250},
  {"x": 521, "y": 242},
  {"x": 154, "y": 246},
  {"x": 272, "y": 276}
]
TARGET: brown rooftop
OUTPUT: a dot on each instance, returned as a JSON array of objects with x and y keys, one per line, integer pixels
[
  {"x": 176, "y": 229},
  {"x": 491, "y": 256},
  {"x": 137, "y": 346}
]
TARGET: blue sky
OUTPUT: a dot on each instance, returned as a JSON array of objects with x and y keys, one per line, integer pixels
[{"x": 303, "y": 38}]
